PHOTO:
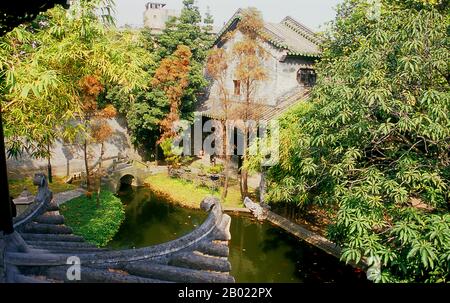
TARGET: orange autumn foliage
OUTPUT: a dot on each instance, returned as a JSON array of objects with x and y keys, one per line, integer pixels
[
  {"x": 101, "y": 131},
  {"x": 172, "y": 77},
  {"x": 91, "y": 88},
  {"x": 109, "y": 112}
]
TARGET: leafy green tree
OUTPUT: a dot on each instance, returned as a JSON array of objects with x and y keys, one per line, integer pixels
[
  {"x": 188, "y": 30},
  {"x": 42, "y": 65},
  {"x": 145, "y": 109},
  {"x": 208, "y": 21},
  {"x": 41, "y": 69},
  {"x": 172, "y": 155},
  {"x": 374, "y": 147}
]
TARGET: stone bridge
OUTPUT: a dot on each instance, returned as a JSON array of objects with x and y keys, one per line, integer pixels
[
  {"x": 129, "y": 174},
  {"x": 42, "y": 249}
]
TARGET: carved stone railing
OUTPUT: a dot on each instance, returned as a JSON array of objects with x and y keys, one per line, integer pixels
[
  {"x": 216, "y": 225},
  {"x": 41, "y": 202},
  {"x": 200, "y": 256},
  {"x": 259, "y": 211}
]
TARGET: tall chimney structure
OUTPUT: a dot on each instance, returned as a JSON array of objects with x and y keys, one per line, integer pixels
[{"x": 156, "y": 15}]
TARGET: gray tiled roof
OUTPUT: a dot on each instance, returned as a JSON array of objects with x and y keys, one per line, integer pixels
[
  {"x": 291, "y": 40},
  {"x": 289, "y": 35}
]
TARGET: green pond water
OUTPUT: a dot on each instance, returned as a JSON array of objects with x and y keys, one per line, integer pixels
[{"x": 258, "y": 252}]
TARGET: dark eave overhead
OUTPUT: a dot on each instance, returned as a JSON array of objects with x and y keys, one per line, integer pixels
[{"x": 14, "y": 13}]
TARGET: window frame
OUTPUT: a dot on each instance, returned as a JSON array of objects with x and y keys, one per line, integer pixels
[{"x": 306, "y": 77}]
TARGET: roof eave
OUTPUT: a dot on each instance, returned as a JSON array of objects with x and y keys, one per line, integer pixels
[
  {"x": 227, "y": 26},
  {"x": 301, "y": 54}
]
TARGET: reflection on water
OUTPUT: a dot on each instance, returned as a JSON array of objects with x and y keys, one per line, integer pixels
[
  {"x": 258, "y": 252},
  {"x": 264, "y": 253},
  {"x": 151, "y": 219}
]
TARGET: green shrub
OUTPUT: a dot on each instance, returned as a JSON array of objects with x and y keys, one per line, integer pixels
[
  {"x": 216, "y": 169},
  {"x": 96, "y": 225},
  {"x": 373, "y": 150}
]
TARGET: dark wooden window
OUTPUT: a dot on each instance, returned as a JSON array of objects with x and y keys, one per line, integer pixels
[
  {"x": 237, "y": 87},
  {"x": 306, "y": 76}
]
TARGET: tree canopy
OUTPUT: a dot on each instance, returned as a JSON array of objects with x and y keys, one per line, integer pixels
[
  {"x": 190, "y": 31},
  {"x": 150, "y": 107},
  {"x": 42, "y": 64},
  {"x": 373, "y": 147}
]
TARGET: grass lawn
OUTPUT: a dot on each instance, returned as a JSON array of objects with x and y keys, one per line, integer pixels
[
  {"x": 97, "y": 225},
  {"x": 16, "y": 186},
  {"x": 187, "y": 194}
]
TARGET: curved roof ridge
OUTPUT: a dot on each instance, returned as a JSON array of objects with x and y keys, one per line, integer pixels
[
  {"x": 300, "y": 28},
  {"x": 236, "y": 16},
  {"x": 279, "y": 34}
]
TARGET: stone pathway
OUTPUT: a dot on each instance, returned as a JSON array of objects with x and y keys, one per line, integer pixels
[
  {"x": 310, "y": 237},
  {"x": 61, "y": 198}
]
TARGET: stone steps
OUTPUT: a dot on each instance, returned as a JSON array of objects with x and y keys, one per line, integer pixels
[
  {"x": 213, "y": 249},
  {"x": 176, "y": 274},
  {"x": 94, "y": 275},
  {"x": 52, "y": 237},
  {"x": 49, "y": 218},
  {"x": 19, "y": 278},
  {"x": 44, "y": 244},
  {"x": 41, "y": 259},
  {"x": 70, "y": 250},
  {"x": 200, "y": 262},
  {"x": 41, "y": 228}
]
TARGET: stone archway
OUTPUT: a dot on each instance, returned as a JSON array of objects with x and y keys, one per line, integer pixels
[
  {"x": 128, "y": 175},
  {"x": 126, "y": 180}
]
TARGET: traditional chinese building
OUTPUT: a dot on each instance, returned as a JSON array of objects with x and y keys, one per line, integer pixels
[{"x": 292, "y": 48}]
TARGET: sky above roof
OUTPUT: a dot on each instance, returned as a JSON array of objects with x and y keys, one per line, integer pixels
[{"x": 312, "y": 13}]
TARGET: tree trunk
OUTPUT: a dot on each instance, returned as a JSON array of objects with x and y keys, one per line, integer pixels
[
  {"x": 262, "y": 186},
  {"x": 226, "y": 164},
  {"x": 86, "y": 164},
  {"x": 245, "y": 182},
  {"x": 227, "y": 178},
  {"x": 67, "y": 168},
  {"x": 49, "y": 165},
  {"x": 100, "y": 166},
  {"x": 156, "y": 153},
  {"x": 244, "y": 173}
]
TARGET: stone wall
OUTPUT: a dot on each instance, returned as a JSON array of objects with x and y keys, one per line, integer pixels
[
  {"x": 282, "y": 74},
  {"x": 68, "y": 159}
]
